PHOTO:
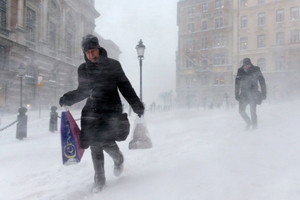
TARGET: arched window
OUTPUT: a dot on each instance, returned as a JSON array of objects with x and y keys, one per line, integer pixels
[
  {"x": 53, "y": 21},
  {"x": 2, "y": 58},
  {"x": 70, "y": 31},
  {"x": 3, "y": 11},
  {"x": 261, "y": 62}
]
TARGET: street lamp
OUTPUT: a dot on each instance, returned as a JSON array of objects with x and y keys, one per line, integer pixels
[
  {"x": 22, "y": 71},
  {"x": 140, "y": 48}
]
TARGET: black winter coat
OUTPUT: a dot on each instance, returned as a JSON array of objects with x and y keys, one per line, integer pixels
[
  {"x": 246, "y": 83},
  {"x": 100, "y": 82}
]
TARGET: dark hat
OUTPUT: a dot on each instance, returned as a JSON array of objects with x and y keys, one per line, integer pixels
[
  {"x": 89, "y": 42},
  {"x": 247, "y": 61}
]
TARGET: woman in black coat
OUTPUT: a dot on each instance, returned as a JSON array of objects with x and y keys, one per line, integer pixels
[{"x": 99, "y": 80}]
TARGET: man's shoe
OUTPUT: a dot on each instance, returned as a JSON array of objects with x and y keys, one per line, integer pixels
[
  {"x": 247, "y": 127},
  {"x": 118, "y": 169}
]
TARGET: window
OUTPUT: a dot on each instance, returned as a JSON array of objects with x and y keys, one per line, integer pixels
[
  {"x": 261, "y": 19},
  {"x": 244, "y": 3},
  {"x": 219, "y": 4},
  {"x": 244, "y": 21},
  {"x": 2, "y": 57},
  {"x": 204, "y": 43},
  {"x": 191, "y": 10},
  {"x": 294, "y": 13},
  {"x": 204, "y": 62},
  {"x": 279, "y": 15},
  {"x": 191, "y": 28},
  {"x": 261, "y": 41},
  {"x": 3, "y": 14},
  {"x": 204, "y": 25},
  {"x": 219, "y": 40},
  {"x": 280, "y": 38},
  {"x": 295, "y": 36},
  {"x": 69, "y": 44},
  {"x": 261, "y": 2},
  {"x": 261, "y": 62},
  {"x": 30, "y": 25},
  {"x": 219, "y": 22},
  {"x": 280, "y": 63},
  {"x": 204, "y": 7},
  {"x": 190, "y": 45},
  {"x": 219, "y": 59},
  {"x": 243, "y": 43},
  {"x": 52, "y": 36}
]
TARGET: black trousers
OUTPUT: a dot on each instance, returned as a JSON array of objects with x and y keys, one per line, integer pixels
[
  {"x": 242, "y": 110},
  {"x": 112, "y": 149}
]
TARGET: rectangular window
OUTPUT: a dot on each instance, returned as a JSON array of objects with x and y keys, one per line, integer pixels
[
  {"x": 280, "y": 38},
  {"x": 191, "y": 10},
  {"x": 244, "y": 21},
  {"x": 279, "y": 15},
  {"x": 219, "y": 59},
  {"x": 261, "y": 19},
  {"x": 191, "y": 28},
  {"x": 280, "y": 63},
  {"x": 52, "y": 36},
  {"x": 3, "y": 14},
  {"x": 261, "y": 41},
  {"x": 204, "y": 25},
  {"x": 30, "y": 25},
  {"x": 219, "y": 4},
  {"x": 204, "y": 43},
  {"x": 219, "y": 40},
  {"x": 69, "y": 44},
  {"x": 244, "y": 3},
  {"x": 294, "y": 13},
  {"x": 244, "y": 43},
  {"x": 190, "y": 45},
  {"x": 294, "y": 36},
  {"x": 219, "y": 22},
  {"x": 204, "y": 7}
]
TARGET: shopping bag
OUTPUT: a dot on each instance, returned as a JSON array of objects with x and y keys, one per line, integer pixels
[
  {"x": 140, "y": 137},
  {"x": 70, "y": 140}
]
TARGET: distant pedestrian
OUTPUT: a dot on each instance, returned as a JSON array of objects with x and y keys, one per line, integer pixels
[{"x": 246, "y": 91}]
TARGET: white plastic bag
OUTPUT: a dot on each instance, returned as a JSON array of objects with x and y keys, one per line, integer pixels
[{"x": 140, "y": 136}]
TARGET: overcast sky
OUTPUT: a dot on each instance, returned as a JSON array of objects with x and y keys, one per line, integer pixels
[{"x": 125, "y": 23}]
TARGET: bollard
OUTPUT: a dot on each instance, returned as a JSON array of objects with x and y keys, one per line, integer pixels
[
  {"x": 22, "y": 124},
  {"x": 53, "y": 119}
]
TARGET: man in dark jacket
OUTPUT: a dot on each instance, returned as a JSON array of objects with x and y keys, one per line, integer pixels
[
  {"x": 99, "y": 80},
  {"x": 246, "y": 91}
]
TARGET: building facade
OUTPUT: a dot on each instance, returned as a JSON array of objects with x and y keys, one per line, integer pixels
[
  {"x": 215, "y": 35},
  {"x": 267, "y": 31},
  {"x": 204, "y": 59},
  {"x": 45, "y": 37}
]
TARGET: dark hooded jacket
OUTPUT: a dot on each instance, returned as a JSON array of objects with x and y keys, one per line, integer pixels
[
  {"x": 246, "y": 83},
  {"x": 99, "y": 83}
]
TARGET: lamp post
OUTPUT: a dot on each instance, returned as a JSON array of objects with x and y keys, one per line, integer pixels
[
  {"x": 140, "y": 48},
  {"x": 22, "y": 71}
]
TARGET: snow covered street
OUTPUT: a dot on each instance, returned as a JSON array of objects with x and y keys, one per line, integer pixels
[{"x": 196, "y": 154}]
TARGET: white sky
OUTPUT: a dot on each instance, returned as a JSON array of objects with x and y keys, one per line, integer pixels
[{"x": 125, "y": 23}]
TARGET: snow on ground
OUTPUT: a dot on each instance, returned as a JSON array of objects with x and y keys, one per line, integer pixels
[{"x": 196, "y": 154}]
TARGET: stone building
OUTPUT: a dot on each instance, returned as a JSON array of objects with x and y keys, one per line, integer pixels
[
  {"x": 204, "y": 57},
  {"x": 215, "y": 35},
  {"x": 267, "y": 31},
  {"x": 44, "y": 36}
]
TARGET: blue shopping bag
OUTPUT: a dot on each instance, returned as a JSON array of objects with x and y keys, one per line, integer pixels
[{"x": 70, "y": 140}]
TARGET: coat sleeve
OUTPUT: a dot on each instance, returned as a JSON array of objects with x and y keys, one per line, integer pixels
[
  {"x": 127, "y": 90},
  {"x": 82, "y": 91},
  {"x": 262, "y": 82},
  {"x": 238, "y": 79}
]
